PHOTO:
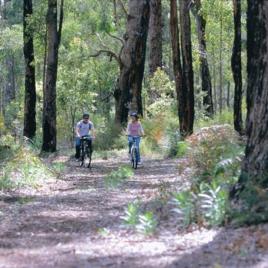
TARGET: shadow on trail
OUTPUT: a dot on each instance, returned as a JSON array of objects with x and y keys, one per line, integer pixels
[{"x": 77, "y": 208}]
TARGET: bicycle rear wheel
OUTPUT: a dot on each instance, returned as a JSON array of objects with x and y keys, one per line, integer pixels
[{"x": 134, "y": 158}]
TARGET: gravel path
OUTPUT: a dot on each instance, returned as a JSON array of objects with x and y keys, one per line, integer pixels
[{"x": 76, "y": 222}]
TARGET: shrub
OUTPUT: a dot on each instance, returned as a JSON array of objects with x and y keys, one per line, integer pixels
[
  {"x": 147, "y": 223},
  {"x": 24, "y": 169},
  {"x": 214, "y": 151},
  {"x": 131, "y": 216},
  {"x": 185, "y": 207}
]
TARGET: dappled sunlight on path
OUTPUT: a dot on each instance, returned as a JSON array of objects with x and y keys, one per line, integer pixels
[{"x": 77, "y": 223}]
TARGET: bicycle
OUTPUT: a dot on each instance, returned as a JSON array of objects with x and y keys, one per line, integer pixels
[
  {"x": 134, "y": 151},
  {"x": 86, "y": 151}
]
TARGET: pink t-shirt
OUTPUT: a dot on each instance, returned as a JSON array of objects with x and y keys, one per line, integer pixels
[{"x": 134, "y": 129}]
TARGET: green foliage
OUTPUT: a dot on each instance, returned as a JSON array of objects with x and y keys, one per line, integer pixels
[
  {"x": 213, "y": 203},
  {"x": 161, "y": 134},
  {"x": 215, "y": 151},
  {"x": 161, "y": 89},
  {"x": 184, "y": 203},
  {"x": 209, "y": 206},
  {"x": 147, "y": 223},
  {"x": 117, "y": 177},
  {"x": 131, "y": 216},
  {"x": 23, "y": 168},
  {"x": 109, "y": 135},
  {"x": 251, "y": 206}
]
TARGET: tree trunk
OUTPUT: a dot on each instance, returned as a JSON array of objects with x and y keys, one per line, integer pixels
[
  {"x": 221, "y": 66},
  {"x": 49, "y": 102},
  {"x": 236, "y": 68},
  {"x": 251, "y": 189},
  {"x": 187, "y": 105},
  {"x": 214, "y": 82},
  {"x": 132, "y": 61},
  {"x": 30, "y": 92},
  {"x": 175, "y": 42},
  {"x": 155, "y": 36},
  {"x": 204, "y": 69},
  {"x": 256, "y": 158}
]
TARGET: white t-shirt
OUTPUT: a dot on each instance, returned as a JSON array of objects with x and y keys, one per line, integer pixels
[{"x": 84, "y": 128}]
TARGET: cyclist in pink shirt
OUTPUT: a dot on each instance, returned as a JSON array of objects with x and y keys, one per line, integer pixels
[{"x": 134, "y": 129}]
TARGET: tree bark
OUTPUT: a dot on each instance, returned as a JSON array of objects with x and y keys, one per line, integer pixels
[
  {"x": 251, "y": 190},
  {"x": 30, "y": 91},
  {"x": 132, "y": 60},
  {"x": 221, "y": 66},
  {"x": 255, "y": 164},
  {"x": 204, "y": 68},
  {"x": 236, "y": 67},
  {"x": 187, "y": 106},
  {"x": 176, "y": 55},
  {"x": 49, "y": 102},
  {"x": 155, "y": 36}
]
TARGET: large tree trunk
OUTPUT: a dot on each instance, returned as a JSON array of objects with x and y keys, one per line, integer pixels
[
  {"x": 155, "y": 36},
  {"x": 132, "y": 61},
  {"x": 236, "y": 68},
  {"x": 251, "y": 189},
  {"x": 204, "y": 69},
  {"x": 49, "y": 102},
  {"x": 175, "y": 42},
  {"x": 256, "y": 158},
  {"x": 30, "y": 92},
  {"x": 187, "y": 106}
]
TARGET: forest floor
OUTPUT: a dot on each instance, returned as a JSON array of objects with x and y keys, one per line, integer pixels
[{"x": 75, "y": 221}]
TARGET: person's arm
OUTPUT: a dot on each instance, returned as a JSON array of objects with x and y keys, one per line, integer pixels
[{"x": 77, "y": 130}]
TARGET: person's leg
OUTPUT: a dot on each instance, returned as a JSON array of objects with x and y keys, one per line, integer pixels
[
  {"x": 138, "y": 140},
  {"x": 77, "y": 147}
]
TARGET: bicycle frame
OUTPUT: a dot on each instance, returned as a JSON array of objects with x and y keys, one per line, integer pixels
[
  {"x": 134, "y": 151},
  {"x": 86, "y": 150}
]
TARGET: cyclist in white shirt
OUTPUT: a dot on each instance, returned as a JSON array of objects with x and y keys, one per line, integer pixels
[{"x": 84, "y": 128}]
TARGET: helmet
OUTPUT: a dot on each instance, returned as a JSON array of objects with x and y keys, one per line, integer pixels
[
  {"x": 134, "y": 114},
  {"x": 85, "y": 115}
]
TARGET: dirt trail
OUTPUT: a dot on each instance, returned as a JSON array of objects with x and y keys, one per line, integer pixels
[{"x": 76, "y": 222}]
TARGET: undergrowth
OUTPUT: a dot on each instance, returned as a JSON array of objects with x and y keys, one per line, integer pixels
[
  {"x": 215, "y": 154},
  {"x": 22, "y": 167}
]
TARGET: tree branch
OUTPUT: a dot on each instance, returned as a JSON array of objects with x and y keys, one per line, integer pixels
[
  {"x": 123, "y": 7},
  {"x": 117, "y": 38},
  {"x": 109, "y": 53},
  {"x": 61, "y": 21}
]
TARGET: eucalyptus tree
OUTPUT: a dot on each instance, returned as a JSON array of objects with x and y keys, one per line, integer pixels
[
  {"x": 155, "y": 35},
  {"x": 132, "y": 59},
  {"x": 237, "y": 67},
  {"x": 176, "y": 56},
  {"x": 204, "y": 67},
  {"x": 253, "y": 181},
  {"x": 49, "y": 102},
  {"x": 187, "y": 104},
  {"x": 30, "y": 91}
]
